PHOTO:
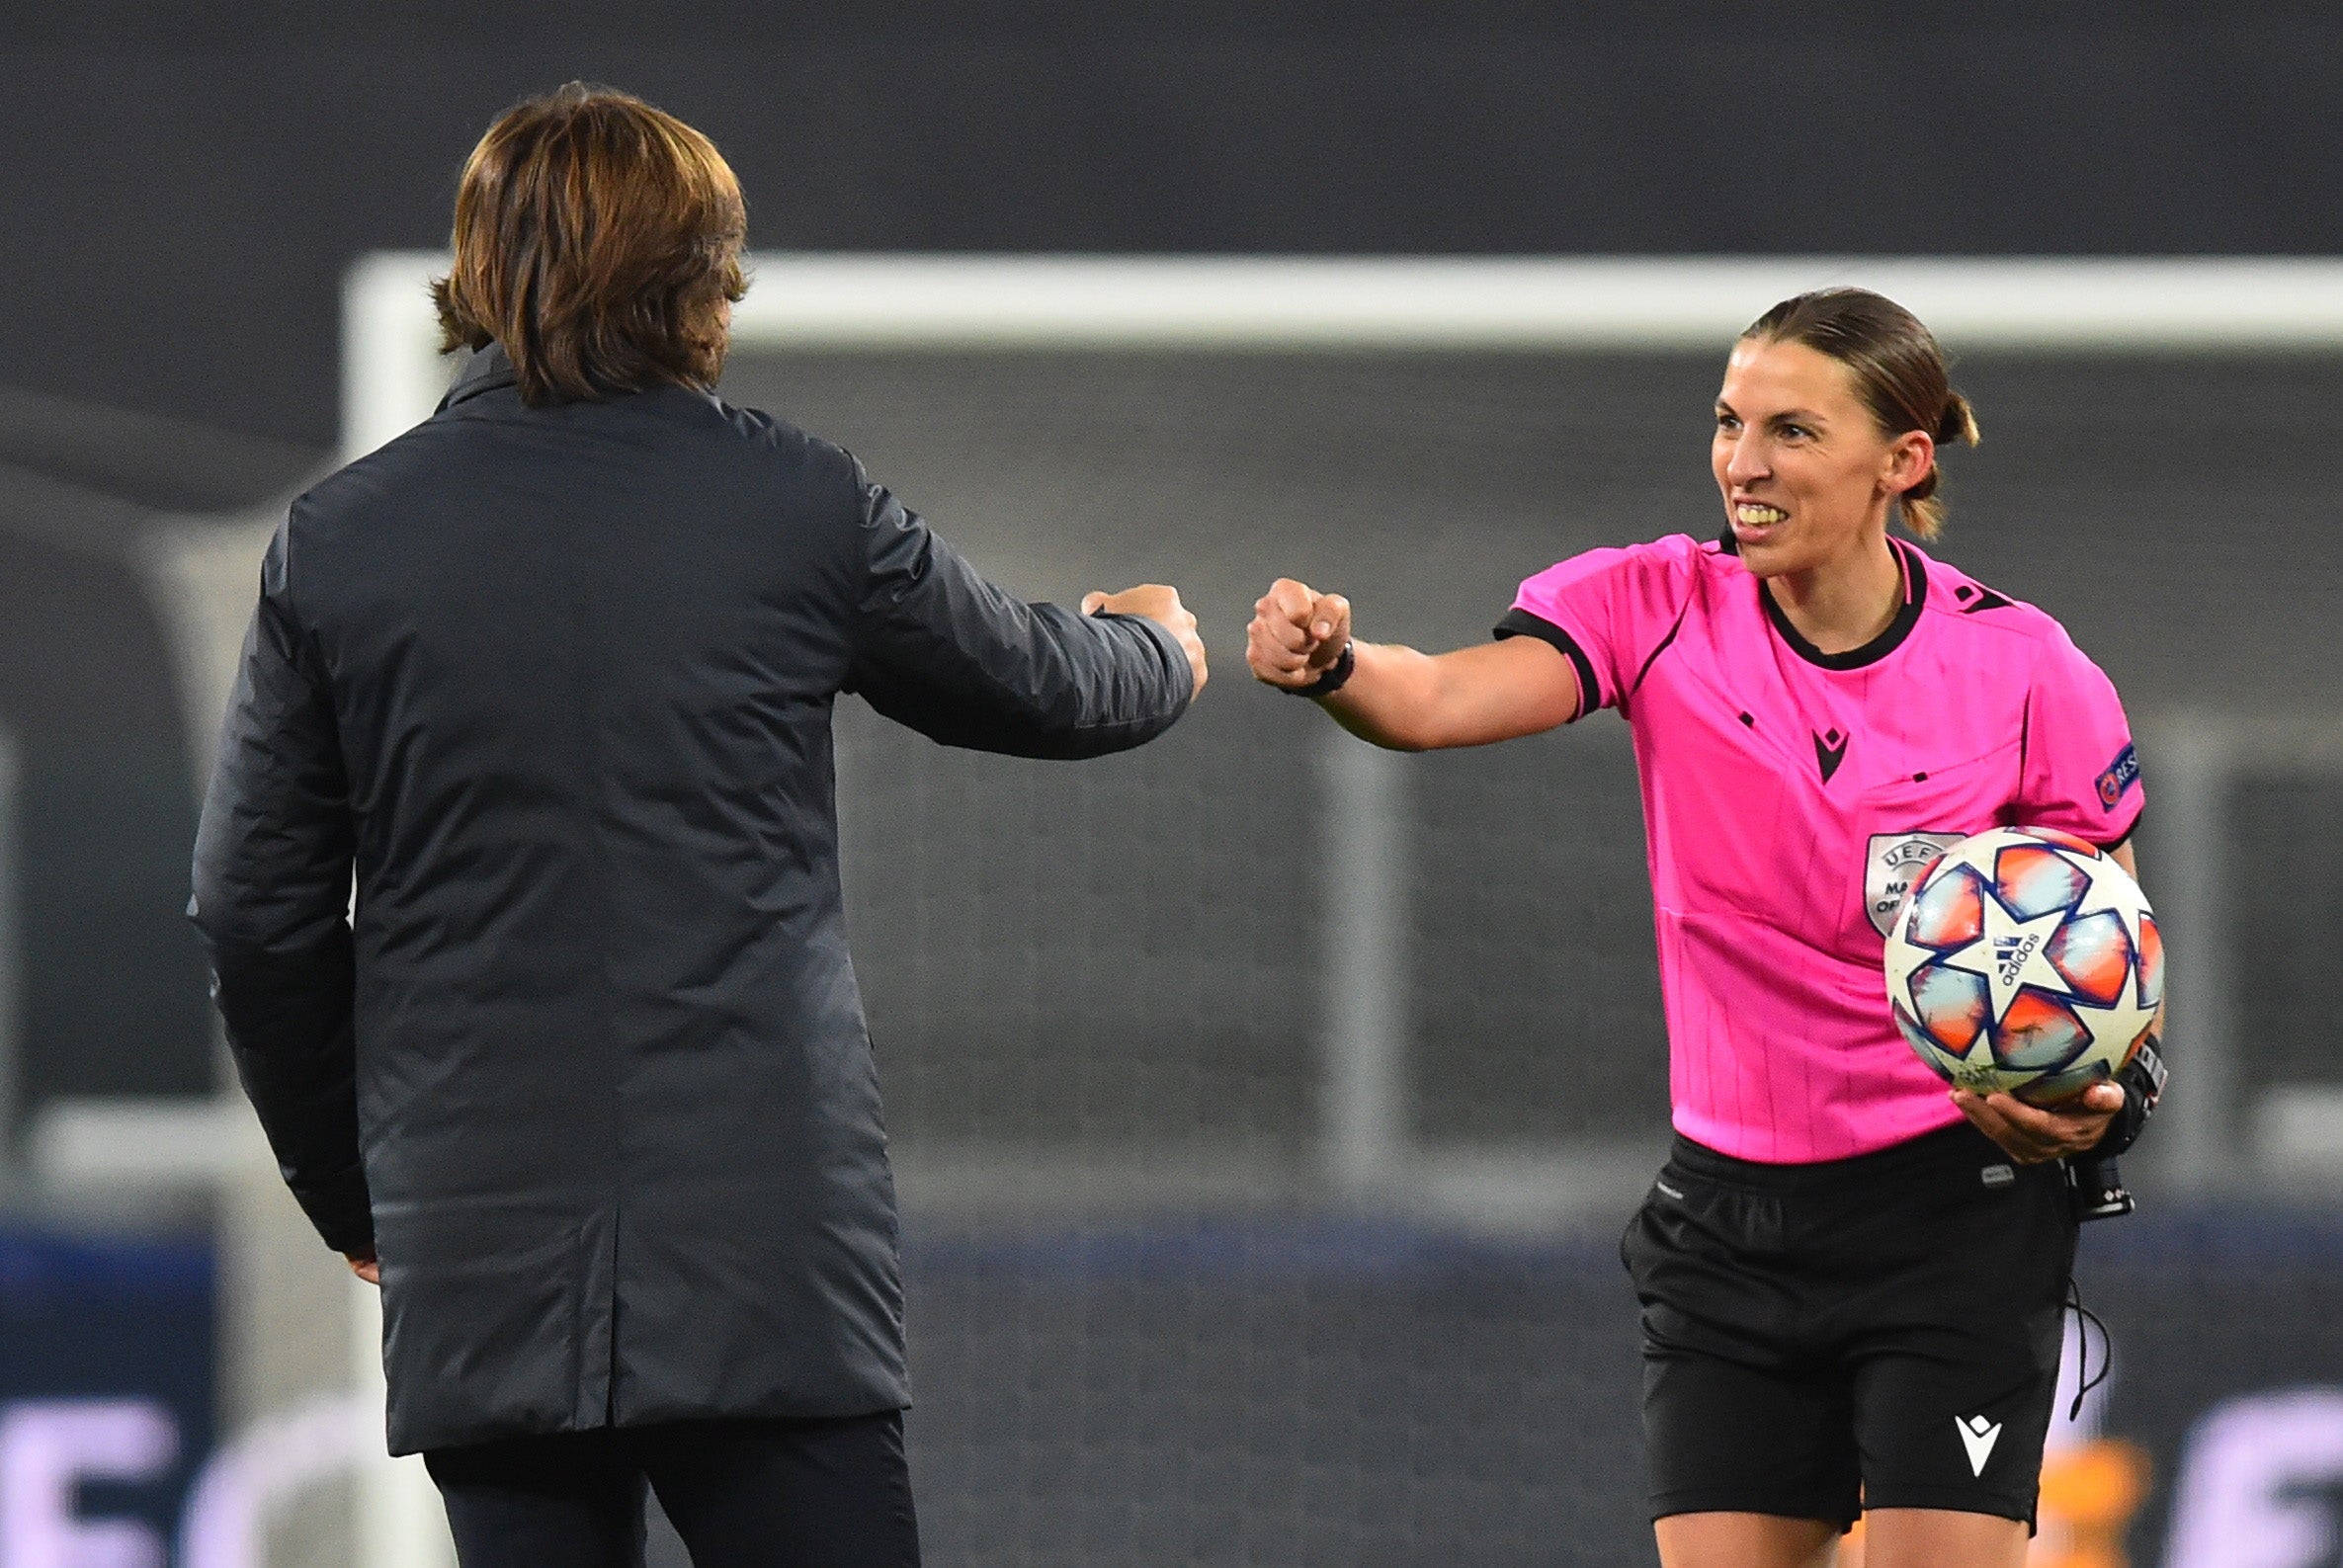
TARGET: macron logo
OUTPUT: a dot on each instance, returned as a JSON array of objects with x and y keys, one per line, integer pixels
[{"x": 1977, "y": 1436}]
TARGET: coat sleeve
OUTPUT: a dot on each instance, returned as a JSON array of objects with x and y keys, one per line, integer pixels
[
  {"x": 272, "y": 904},
  {"x": 945, "y": 653}
]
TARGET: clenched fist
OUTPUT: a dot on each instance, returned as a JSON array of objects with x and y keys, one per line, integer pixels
[
  {"x": 1297, "y": 634},
  {"x": 1161, "y": 605}
]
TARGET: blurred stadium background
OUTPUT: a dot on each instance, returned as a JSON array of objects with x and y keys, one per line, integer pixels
[{"x": 1266, "y": 1108}]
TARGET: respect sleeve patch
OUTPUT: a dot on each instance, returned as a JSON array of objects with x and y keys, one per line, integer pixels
[{"x": 2121, "y": 774}]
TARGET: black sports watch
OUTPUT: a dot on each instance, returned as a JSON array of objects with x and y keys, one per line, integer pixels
[
  {"x": 2095, "y": 1181},
  {"x": 1332, "y": 679}
]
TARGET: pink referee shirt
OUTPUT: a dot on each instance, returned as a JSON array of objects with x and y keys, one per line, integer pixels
[{"x": 1789, "y": 796}]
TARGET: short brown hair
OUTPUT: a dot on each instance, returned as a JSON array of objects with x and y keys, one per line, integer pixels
[
  {"x": 598, "y": 240},
  {"x": 1900, "y": 372}
]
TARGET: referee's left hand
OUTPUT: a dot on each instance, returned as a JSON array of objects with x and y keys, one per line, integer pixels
[{"x": 2031, "y": 1134}]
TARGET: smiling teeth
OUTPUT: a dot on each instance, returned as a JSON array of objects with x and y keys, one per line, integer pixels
[{"x": 1751, "y": 513}]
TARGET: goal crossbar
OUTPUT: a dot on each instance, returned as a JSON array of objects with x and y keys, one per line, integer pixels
[{"x": 393, "y": 371}]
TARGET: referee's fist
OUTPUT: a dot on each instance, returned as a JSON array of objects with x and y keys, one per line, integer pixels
[{"x": 1297, "y": 634}]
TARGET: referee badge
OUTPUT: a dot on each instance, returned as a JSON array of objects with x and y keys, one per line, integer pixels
[{"x": 1892, "y": 865}]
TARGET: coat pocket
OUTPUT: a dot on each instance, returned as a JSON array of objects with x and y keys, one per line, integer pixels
[{"x": 483, "y": 1344}]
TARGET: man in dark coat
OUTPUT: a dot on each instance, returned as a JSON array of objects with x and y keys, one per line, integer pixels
[{"x": 582, "y": 1076}]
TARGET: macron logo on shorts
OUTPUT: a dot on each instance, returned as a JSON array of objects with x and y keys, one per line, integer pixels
[{"x": 1977, "y": 1436}]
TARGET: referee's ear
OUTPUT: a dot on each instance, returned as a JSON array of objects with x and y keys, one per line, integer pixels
[{"x": 1911, "y": 460}]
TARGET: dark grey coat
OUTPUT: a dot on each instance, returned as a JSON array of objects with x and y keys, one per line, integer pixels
[{"x": 588, "y": 1065}]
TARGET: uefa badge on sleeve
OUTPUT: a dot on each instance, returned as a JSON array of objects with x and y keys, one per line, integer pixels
[{"x": 2121, "y": 774}]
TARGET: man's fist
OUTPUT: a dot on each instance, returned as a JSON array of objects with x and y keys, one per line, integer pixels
[
  {"x": 1297, "y": 634},
  {"x": 1161, "y": 605}
]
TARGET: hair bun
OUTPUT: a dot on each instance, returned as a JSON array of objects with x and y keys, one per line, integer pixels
[{"x": 1958, "y": 423}]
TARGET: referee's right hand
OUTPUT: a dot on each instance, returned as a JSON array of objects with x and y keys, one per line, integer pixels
[{"x": 1297, "y": 634}]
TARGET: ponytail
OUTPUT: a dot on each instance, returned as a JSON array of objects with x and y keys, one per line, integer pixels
[{"x": 1922, "y": 512}]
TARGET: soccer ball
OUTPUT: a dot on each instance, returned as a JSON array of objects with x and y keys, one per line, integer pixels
[{"x": 2025, "y": 959}]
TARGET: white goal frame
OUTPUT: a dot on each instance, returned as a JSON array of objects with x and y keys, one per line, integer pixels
[{"x": 392, "y": 374}]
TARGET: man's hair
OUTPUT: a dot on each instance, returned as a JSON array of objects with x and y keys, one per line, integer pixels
[{"x": 598, "y": 240}]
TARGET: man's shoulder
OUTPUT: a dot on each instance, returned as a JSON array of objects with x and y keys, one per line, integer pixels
[
  {"x": 433, "y": 452},
  {"x": 792, "y": 452}
]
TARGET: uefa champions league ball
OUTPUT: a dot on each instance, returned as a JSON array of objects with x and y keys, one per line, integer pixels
[{"x": 2025, "y": 959}]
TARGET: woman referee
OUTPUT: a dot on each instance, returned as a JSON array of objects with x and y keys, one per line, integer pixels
[{"x": 1851, "y": 1280}]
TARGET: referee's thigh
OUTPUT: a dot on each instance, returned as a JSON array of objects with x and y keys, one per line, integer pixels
[{"x": 786, "y": 1494}]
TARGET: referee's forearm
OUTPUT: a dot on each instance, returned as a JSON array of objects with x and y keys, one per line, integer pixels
[
  {"x": 1392, "y": 697},
  {"x": 1476, "y": 695}
]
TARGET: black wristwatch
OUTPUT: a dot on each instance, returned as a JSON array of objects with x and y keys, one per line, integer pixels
[
  {"x": 2095, "y": 1178},
  {"x": 1332, "y": 681}
]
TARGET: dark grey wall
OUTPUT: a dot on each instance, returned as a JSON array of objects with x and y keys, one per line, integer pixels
[{"x": 189, "y": 182}]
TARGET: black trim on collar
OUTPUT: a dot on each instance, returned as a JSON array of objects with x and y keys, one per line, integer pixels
[
  {"x": 1726, "y": 542},
  {"x": 1907, "y": 616}
]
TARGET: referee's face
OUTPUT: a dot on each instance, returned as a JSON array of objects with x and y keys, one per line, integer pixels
[{"x": 1801, "y": 464}]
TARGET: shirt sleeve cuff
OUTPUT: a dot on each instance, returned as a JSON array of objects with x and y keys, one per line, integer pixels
[
  {"x": 1519, "y": 622},
  {"x": 341, "y": 1210}
]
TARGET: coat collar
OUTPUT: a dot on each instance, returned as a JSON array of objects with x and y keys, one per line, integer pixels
[
  {"x": 491, "y": 369},
  {"x": 486, "y": 370}
]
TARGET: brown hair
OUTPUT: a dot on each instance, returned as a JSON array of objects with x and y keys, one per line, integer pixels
[
  {"x": 598, "y": 240},
  {"x": 1900, "y": 372}
]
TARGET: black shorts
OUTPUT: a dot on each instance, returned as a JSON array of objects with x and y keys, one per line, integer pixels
[{"x": 1877, "y": 1332}]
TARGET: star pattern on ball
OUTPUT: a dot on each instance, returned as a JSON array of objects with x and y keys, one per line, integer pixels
[
  {"x": 2008, "y": 955},
  {"x": 2003, "y": 972},
  {"x": 2106, "y": 895},
  {"x": 2096, "y": 1023}
]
